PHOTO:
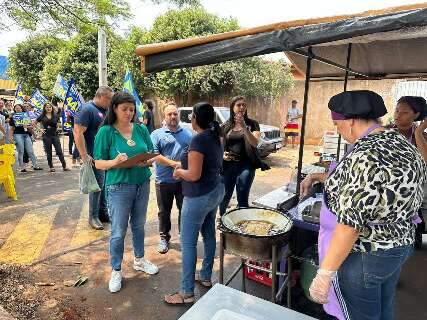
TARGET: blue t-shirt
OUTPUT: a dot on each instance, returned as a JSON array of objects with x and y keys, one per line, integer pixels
[
  {"x": 91, "y": 117},
  {"x": 205, "y": 143},
  {"x": 170, "y": 145}
]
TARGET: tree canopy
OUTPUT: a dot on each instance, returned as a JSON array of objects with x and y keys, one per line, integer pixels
[
  {"x": 77, "y": 58},
  {"x": 71, "y": 15},
  {"x": 27, "y": 60}
]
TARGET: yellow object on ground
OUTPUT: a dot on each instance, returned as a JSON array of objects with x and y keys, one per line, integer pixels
[{"x": 7, "y": 178}]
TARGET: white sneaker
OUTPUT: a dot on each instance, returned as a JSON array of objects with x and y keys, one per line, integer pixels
[
  {"x": 116, "y": 281},
  {"x": 140, "y": 264}
]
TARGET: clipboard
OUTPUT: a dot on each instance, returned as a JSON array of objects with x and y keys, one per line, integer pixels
[{"x": 132, "y": 162}]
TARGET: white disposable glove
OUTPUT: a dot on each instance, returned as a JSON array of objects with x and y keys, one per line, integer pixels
[{"x": 319, "y": 288}]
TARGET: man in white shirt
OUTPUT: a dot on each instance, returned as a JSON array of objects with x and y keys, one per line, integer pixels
[{"x": 291, "y": 125}]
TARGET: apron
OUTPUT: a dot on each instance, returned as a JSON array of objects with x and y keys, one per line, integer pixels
[{"x": 328, "y": 221}]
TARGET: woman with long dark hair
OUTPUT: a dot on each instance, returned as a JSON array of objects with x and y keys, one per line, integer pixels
[
  {"x": 203, "y": 191},
  {"x": 128, "y": 189},
  {"x": 241, "y": 136},
  {"x": 49, "y": 121},
  {"x": 409, "y": 110}
]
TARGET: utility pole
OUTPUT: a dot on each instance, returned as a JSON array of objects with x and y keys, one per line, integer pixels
[{"x": 102, "y": 57}]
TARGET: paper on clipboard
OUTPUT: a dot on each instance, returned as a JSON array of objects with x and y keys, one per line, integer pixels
[{"x": 132, "y": 162}]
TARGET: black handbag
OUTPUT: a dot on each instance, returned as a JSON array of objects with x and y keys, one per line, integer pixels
[{"x": 254, "y": 157}]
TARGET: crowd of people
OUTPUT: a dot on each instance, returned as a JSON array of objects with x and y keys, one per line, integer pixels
[
  {"x": 188, "y": 168},
  {"x": 20, "y": 124},
  {"x": 373, "y": 199}
]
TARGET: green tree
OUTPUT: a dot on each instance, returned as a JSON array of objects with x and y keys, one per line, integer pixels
[
  {"x": 27, "y": 60},
  {"x": 123, "y": 57},
  {"x": 71, "y": 15},
  {"x": 77, "y": 59},
  {"x": 173, "y": 25},
  {"x": 252, "y": 77},
  {"x": 258, "y": 78}
]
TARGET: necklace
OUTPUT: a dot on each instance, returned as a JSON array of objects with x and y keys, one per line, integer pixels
[{"x": 129, "y": 141}]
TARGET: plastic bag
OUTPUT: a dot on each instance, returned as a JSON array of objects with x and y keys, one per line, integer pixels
[{"x": 87, "y": 180}]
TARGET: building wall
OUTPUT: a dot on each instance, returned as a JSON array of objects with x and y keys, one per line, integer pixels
[{"x": 318, "y": 115}]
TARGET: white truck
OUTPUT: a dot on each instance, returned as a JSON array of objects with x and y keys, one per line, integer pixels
[{"x": 271, "y": 139}]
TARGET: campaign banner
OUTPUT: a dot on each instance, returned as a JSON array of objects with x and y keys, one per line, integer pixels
[
  {"x": 37, "y": 100},
  {"x": 66, "y": 126},
  {"x": 21, "y": 119},
  {"x": 34, "y": 114},
  {"x": 19, "y": 95},
  {"x": 130, "y": 88},
  {"x": 60, "y": 88},
  {"x": 73, "y": 100}
]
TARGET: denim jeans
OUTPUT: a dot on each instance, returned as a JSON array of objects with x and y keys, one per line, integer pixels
[
  {"x": 97, "y": 200},
  {"x": 127, "y": 202},
  {"x": 23, "y": 142},
  {"x": 239, "y": 175},
  {"x": 368, "y": 282},
  {"x": 198, "y": 215},
  {"x": 48, "y": 142}
]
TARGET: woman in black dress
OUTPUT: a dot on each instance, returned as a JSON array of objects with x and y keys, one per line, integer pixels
[{"x": 49, "y": 121}]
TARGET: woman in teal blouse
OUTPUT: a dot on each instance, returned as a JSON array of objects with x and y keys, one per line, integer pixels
[{"x": 128, "y": 189}]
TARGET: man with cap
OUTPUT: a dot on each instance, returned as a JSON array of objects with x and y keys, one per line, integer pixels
[
  {"x": 409, "y": 110},
  {"x": 366, "y": 221}
]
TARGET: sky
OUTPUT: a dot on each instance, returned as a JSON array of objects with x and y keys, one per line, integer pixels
[{"x": 249, "y": 13}]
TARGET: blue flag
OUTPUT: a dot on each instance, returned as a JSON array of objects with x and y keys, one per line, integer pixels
[
  {"x": 37, "y": 100},
  {"x": 60, "y": 88},
  {"x": 19, "y": 95},
  {"x": 73, "y": 100},
  {"x": 130, "y": 88}
]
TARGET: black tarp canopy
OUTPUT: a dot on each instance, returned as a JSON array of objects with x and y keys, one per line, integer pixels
[{"x": 391, "y": 43}]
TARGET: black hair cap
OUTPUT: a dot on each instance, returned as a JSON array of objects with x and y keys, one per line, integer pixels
[{"x": 358, "y": 104}]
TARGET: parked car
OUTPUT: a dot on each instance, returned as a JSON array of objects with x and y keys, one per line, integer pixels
[{"x": 271, "y": 139}]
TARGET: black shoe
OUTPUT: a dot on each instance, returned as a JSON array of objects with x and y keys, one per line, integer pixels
[
  {"x": 95, "y": 223},
  {"x": 37, "y": 168},
  {"x": 24, "y": 170}
]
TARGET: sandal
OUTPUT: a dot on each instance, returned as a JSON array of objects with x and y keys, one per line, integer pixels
[
  {"x": 177, "y": 298},
  {"x": 205, "y": 283}
]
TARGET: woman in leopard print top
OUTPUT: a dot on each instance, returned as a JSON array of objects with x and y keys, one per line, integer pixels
[{"x": 370, "y": 200}]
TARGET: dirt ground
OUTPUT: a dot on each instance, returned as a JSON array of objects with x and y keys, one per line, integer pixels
[{"x": 38, "y": 287}]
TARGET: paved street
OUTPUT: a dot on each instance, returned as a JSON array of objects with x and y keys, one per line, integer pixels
[{"x": 46, "y": 230}]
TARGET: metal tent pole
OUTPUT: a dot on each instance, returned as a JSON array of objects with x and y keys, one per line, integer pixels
[
  {"x": 304, "y": 117},
  {"x": 345, "y": 89}
]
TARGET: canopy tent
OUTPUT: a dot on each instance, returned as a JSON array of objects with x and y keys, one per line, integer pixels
[{"x": 387, "y": 43}]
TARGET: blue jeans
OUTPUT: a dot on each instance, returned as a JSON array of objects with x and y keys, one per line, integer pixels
[
  {"x": 198, "y": 215},
  {"x": 239, "y": 175},
  {"x": 127, "y": 202},
  {"x": 368, "y": 282},
  {"x": 97, "y": 200},
  {"x": 23, "y": 142}
]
